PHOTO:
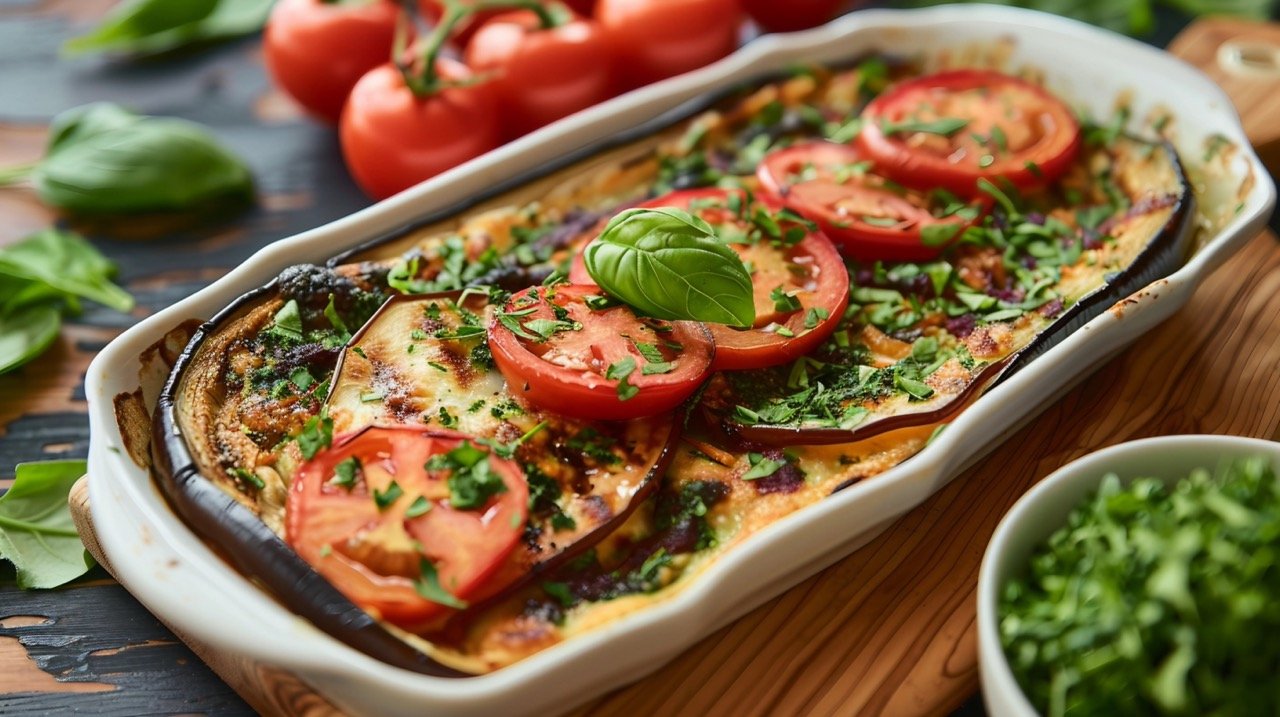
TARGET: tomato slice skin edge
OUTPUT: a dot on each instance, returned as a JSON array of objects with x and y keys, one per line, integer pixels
[
  {"x": 467, "y": 547},
  {"x": 1024, "y": 169},
  {"x": 816, "y": 199},
  {"x": 585, "y": 394}
]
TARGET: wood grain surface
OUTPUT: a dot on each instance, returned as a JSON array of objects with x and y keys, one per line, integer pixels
[{"x": 889, "y": 630}]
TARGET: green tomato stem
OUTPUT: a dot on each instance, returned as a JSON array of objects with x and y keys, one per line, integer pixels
[{"x": 454, "y": 13}]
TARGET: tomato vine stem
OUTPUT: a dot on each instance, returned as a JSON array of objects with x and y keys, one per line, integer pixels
[{"x": 425, "y": 80}]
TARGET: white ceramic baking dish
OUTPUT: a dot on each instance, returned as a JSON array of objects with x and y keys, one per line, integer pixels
[{"x": 180, "y": 579}]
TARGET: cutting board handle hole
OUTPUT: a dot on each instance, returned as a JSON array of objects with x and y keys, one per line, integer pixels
[{"x": 1243, "y": 57}]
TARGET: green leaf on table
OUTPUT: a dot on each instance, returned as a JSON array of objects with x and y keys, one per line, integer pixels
[
  {"x": 668, "y": 264},
  {"x": 36, "y": 531},
  {"x": 102, "y": 162},
  {"x": 80, "y": 123},
  {"x": 147, "y": 27},
  {"x": 40, "y": 277},
  {"x": 65, "y": 263},
  {"x": 26, "y": 334}
]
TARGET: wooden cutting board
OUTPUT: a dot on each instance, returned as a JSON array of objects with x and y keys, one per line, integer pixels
[{"x": 890, "y": 630}]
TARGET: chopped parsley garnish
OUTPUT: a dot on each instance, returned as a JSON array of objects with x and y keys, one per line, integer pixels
[
  {"x": 1154, "y": 599},
  {"x": 461, "y": 333},
  {"x": 316, "y": 434},
  {"x": 761, "y": 466},
  {"x": 346, "y": 473},
  {"x": 419, "y": 506},
  {"x": 595, "y": 445},
  {"x": 384, "y": 498},
  {"x": 472, "y": 480},
  {"x": 814, "y": 316},
  {"x": 287, "y": 324},
  {"x": 945, "y": 126},
  {"x": 302, "y": 378},
  {"x": 620, "y": 371},
  {"x": 335, "y": 320},
  {"x": 248, "y": 477},
  {"x": 546, "y": 328},
  {"x": 560, "y": 592},
  {"x": 783, "y": 302},
  {"x": 428, "y": 586}
]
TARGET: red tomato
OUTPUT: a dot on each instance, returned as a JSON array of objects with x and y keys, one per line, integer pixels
[
  {"x": 569, "y": 355},
  {"x": 833, "y": 186},
  {"x": 656, "y": 39},
  {"x": 541, "y": 75},
  {"x": 373, "y": 553},
  {"x": 316, "y": 51},
  {"x": 810, "y": 271},
  {"x": 775, "y": 16},
  {"x": 392, "y": 139},
  {"x": 432, "y": 10},
  {"x": 1000, "y": 127}
]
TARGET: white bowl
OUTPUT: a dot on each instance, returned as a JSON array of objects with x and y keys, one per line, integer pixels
[
  {"x": 182, "y": 580},
  {"x": 1044, "y": 509}
]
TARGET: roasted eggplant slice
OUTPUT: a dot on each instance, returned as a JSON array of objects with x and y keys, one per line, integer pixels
[
  {"x": 1121, "y": 220},
  {"x": 424, "y": 360}
]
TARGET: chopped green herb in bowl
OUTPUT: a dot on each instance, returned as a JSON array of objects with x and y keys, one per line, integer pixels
[{"x": 1157, "y": 596}]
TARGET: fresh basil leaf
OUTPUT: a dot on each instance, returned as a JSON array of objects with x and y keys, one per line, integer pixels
[
  {"x": 145, "y": 27},
  {"x": 80, "y": 123},
  {"x": 37, "y": 534},
  {"x": 26, "y": 334},
  {"x": 669, "y": 264},
  {"x": 151, "y": 164},
  {"x": 66, "y": 263}
]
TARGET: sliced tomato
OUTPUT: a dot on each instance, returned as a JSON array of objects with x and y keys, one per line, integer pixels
[
  {"x": 606, "y": 363},
  {"x": 952, "y": 129},
  {"x": 808, "y": 270},
  {"x": 370, "y": 540},
  {"x": 834, "y": 186}
]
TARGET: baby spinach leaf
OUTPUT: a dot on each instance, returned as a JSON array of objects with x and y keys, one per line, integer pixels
[
  {"x": 36, "y": 531},
  {"x": 669, "y": 264},
  {"x": 100, "y": 162},
  {"x": 26, "y": 334},
  {"x": 145, "y": 27}
]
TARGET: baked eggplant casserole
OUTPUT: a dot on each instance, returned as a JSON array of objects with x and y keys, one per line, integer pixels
[{"x": 462, "y": 445}]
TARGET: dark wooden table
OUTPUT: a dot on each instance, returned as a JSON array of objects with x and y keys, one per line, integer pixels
[{"x": 91, "y": 647}]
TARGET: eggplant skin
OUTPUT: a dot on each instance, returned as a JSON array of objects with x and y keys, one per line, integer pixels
[
  {"x": 1164, "y": 253},
  {"x": 247, "y": 543}
]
